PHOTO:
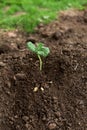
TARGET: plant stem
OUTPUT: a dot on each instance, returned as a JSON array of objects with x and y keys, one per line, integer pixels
[{"x": 40, "y": 60}]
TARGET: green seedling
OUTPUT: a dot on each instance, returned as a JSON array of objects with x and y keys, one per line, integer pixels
[{"x": 40, "y": 50}]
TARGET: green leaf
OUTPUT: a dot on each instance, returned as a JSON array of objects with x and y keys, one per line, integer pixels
[
  {"x": 41, "y": 53},
  {"x": 39, "y": 46},
  {"x": 41, "y": 50},
  {"x": 31, "y": 46},
  {"x": 46, "y": 51}
]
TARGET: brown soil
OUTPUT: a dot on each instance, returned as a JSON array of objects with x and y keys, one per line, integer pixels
[{"x": 62, "y": 105}]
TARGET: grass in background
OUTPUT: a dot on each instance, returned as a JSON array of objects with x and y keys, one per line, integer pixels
[{"x": 27, "y": 14}]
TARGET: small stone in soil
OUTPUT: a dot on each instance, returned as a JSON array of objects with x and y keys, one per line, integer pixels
[
  {"x": 42, "y": 89},
  {"x": 52, "y": 126},
  {"x": 35, "y": 89},
  {"x": 2, "y": 64}
]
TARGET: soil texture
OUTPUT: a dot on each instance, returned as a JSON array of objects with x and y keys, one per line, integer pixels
[{"x": 60, "y": 103}]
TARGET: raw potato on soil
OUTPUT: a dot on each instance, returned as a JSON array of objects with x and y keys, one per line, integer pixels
[{"x": 63, "y": 103}]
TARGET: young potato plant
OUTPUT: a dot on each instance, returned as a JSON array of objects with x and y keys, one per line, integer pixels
[{"x": 40, "y": 50}]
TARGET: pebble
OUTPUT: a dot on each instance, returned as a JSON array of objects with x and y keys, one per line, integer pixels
[
  {"x": 52, "y": 126},
  {"x": 2, "y": 64}
]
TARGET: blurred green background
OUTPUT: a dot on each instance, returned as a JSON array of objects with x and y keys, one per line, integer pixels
[{"x": 27, "y": 14}]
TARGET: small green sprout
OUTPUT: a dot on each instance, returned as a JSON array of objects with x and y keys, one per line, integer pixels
[{"x": 40, "y": 50}]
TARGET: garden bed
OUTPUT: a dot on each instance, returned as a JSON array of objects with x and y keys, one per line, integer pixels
[{"x": 62, "y": 103}]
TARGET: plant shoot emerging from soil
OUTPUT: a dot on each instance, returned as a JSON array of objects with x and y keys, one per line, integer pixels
[{"x": 39, "y": 50}]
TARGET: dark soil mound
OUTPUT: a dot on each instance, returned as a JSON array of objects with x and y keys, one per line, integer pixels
[{"x": 62, "y": 104}]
